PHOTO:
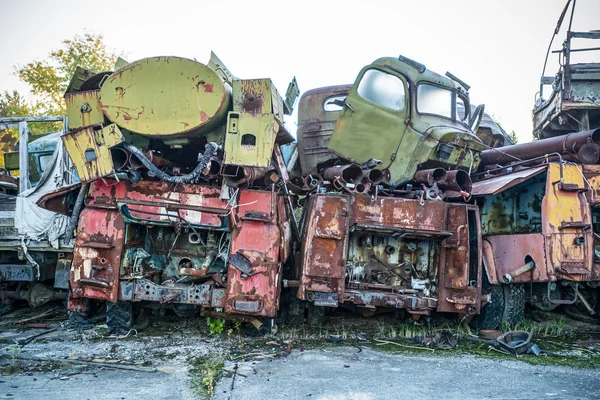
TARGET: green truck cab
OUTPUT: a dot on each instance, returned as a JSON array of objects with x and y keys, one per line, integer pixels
[{"x": 404, "y": 115}]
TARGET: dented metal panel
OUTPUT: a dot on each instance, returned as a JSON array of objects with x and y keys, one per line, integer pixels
[
  {"x": 84, "y": 109},
  {"x": 568, "y": 223},
  {"x": 493, "y": 186},
  {"x": 258, "y": 240},
  {"x": 325, "y": 246},
  {"x": 97, "y": 255},
  {"x": 250, "y": 139},
  {"x": 89, "y": 148}
]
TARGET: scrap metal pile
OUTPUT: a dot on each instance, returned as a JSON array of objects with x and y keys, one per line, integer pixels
[{"x": 398, "y": 194}]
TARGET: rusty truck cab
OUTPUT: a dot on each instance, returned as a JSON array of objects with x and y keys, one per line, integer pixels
[{"x": 377, "y": 251}]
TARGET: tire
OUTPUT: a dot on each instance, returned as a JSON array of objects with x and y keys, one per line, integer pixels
[
  {"x": 79, "y": 321},
  {"x": 119, "y": 317},
  {"x": 490, "y": 316},
  {"x": 514, "y": 304}
]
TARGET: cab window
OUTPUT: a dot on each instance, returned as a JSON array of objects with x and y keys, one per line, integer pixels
[
  {"x": 434, "y": 100},
  {"x": 334, "y": 103},
  {"x": 383, "y": 89}
]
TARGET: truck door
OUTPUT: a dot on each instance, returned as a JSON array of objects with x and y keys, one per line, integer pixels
[
  {"x": 459, "y": 286},
  {"x": 325, "y": 250},
  {"x": 567, "y": 223},
  {"x": 374, "y": 118}
]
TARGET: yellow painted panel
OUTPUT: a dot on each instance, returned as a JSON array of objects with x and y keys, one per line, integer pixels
[
  {"x": 89, "y": 150},
  {"x": 84, "y": 109},
  {"x": 250, "y": 139}
]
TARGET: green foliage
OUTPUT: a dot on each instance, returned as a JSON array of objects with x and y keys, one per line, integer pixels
[
  {"x": 205, "y": 372},
  {"x": 49, "y": 78},
  {"x": 513, "y": 136},
  {"x": 215, "y": 325}
]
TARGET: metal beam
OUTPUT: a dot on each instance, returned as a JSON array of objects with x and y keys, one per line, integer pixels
[
  {"x": 16, "y": 120},
  {"x": 23, "y": 157}
]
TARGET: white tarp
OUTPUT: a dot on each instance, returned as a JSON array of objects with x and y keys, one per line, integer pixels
[{"x": 36, "y": 223}]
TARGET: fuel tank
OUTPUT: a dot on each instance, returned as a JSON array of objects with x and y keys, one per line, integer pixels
[{"x": 166, "y": 97}]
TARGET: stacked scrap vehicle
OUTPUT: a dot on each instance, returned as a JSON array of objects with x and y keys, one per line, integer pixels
[
  {"x": 417, "y": 241},
  {"x": 34, "y": 261},
  {"x": 181, "y": 203},
  {"x": 384, "y": 160},
  {"x": 406, "y": 200}
]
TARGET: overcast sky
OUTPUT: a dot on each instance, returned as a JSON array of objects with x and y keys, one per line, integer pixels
[{"x": 497, "y": 47}]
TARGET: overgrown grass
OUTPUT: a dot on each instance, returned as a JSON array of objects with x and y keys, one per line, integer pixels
[{"x": 205, "y": 372}]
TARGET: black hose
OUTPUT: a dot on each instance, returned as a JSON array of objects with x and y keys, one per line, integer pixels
[
  {"x": 76, "y": 211},
  {"x": 189, "y": 178}
]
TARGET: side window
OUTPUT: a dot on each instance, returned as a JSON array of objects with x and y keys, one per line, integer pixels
[
  {"x": 434, "y": 100},
  {"x": 383, "y": 89},
  {"x": 334, "y": 103}
]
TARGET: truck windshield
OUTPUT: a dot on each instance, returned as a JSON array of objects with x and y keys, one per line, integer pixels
[
  {"x": 383, "y": 89},
  {"x": 434, "y": 100}
]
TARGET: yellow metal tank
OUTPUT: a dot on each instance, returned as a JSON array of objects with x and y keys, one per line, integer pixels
[{"x": 165, "y": 97}]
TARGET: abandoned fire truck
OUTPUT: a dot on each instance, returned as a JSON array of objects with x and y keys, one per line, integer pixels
[
  {"x": 374, "y": 247},
  {"x": 378, "y": 159},
  {"x": 182, "y": 201},
  {"x": 34, "y": 260},
  {"x": 538, "y": 231}
]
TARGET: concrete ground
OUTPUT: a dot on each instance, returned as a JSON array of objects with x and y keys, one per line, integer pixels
[
  {"x": 168, "y": 358},
  {"x": 345, "y": 373}
]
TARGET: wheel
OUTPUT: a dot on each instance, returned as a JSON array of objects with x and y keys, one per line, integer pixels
[
  {"x": 315, "y": 316},
  {"x": 490, "y": 315},
  {"x": 119, "y": 317},
  {"x": 514, "y": 304},
  {"x": 78, "y": 321}
]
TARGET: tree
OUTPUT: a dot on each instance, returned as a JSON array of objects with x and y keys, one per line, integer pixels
[
  {"x": 513, "y": 136},
  {"x": 11, "y": 105},
  {"x": 49, "y": 78}
]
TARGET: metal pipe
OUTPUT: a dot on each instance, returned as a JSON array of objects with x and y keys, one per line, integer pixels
[
  {"x": 290, "y": 283},
  {"x": 238, "y": 175},
  {"x": 214, "y": 167},
  {"x": 120, "y": 158},
  {"x": 373, "y": 176},
  {"x": 508, "y": 278},
  {"x": 350, "y": 173},
  {"x": 457, "y": 181},
  {"x": 430, "y": 176},
  {"x": 564, "y": 144}
]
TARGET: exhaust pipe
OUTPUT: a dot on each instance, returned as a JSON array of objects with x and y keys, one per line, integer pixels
[
  {"x": 214, "y": 167},
  {"x": 563, "y": 144},
  {"x": 458, "y": 181},
  {"x": 373, "y": 176},
  {"x": 507, "y": 278},
  {"x": 430, "y": 176},
  {"x": 120, "y": 158},
  {"x": 238, "y": 175},
  {"x": 350, "y": 173}
]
